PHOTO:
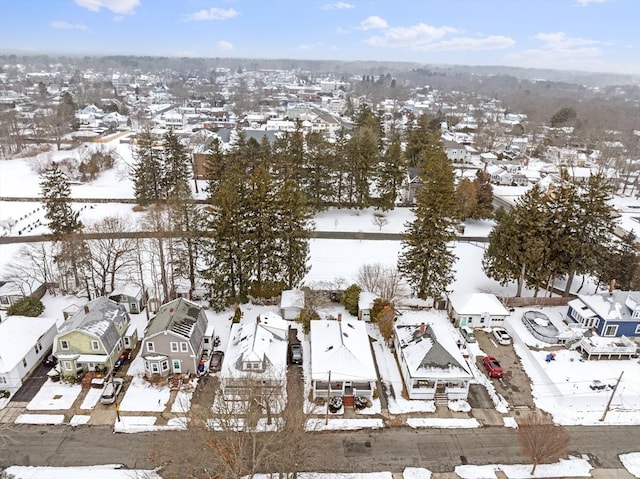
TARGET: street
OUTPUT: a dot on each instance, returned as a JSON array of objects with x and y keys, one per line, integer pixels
[{"x": 392, "y": 449}]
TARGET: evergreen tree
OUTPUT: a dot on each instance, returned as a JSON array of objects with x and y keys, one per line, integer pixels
[
  {"x": 518, "y": 247},
  {"x": 426, "y": 259},
  {"x": 176, "y": 168},
  {"x": 56, "y": 192},
  {"x": 295, "y": 225},
  {"x": 417, "y": 141},
  {"x": 147, "y": 171},
  {"x": 391, "y": 171},
  {"x": 484, "y": 196},
  {"x": 467, "y": 196},
  {"x": 319, "y": 175}
]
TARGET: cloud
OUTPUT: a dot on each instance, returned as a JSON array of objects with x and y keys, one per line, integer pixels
[
  {"x": 560, "y": 40},
  {"x": 413, "y": 36},
  {"x": 373, "y": 22},
  {"x": 492, "y": 42},
  {"x": 560, "y": 51},
  {"x": 116, "y": 6},
  {"x": 212, "y": 14},
  {"x": 225, "y": 46},
  {"x": 338, "y": 6},
  {"x": 584, "y": 3},
  {"x": 67, "y": 26}
]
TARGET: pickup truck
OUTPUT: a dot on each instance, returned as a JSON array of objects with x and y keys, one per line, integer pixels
[{"x": 493, "y": 367}]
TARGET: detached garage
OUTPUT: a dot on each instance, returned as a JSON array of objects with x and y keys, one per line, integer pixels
[{"x": 476, "y": 310}]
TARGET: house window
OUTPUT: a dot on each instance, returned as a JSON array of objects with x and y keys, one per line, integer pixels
[
  {"x": 64, "y": 344},
  {"x": 95, "y": 345},
  {"x": 150, "y": 347},
  {"x": 611, "y": 330},
  {"x": 67, "y": 365},
  {"x": 176, "y": 364},
  {"x": 3, "y": 380},
  {"x": 184, "y": 347},
  {"x": 165, "y": 365},
  {"x": 4, "y": 300},
  {"x": 24, "y": 362},
  {"x": 637, "y": 329},
  {"x": 154, "y": 368},
  {"x": 174, "y": 347}
]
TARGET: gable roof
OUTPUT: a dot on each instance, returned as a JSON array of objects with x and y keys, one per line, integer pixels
[
  {"x": 97, "y": 318},
  {"x": 179, "y": 316},
  {"x": 264, "y": 341},
  {"x": 292, "y": 298},
  {"x": 343, "y": 348},
  {"x": 426, "y": 356},
  {"x": 18, "y": 335}
]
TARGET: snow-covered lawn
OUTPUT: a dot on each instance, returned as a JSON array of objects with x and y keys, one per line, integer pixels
[
  {"x": 442, "y": 423},
  {"x": 573, "y": 467},
  {"x": 91, "y": 399},
  {"x": 107, "y": 471},
  {"x": 182, "y": 402},
  {"x": 40, "y": 419},
  {"x": 142, "y": 396},
  {"x": 631, "y": 462},
  {"x": 319, "y": 424},
  {"x": 79, "y": 419},
  {"x": 54, "y": 396}
]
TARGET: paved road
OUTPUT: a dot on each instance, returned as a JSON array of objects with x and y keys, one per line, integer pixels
[{"x": 388, "y": 450}]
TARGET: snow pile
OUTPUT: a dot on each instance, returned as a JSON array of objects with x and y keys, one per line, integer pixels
[
  {"x": 443, "y": 423},
  {"x": 107, "y": 471},
  {"x": 317, "y": 424},
  {"x": 573, "y": 467},
  {"x": 40, "y": 419},
  {"x": 631, "y": 462},
  {"x": 416, "y": 473}
]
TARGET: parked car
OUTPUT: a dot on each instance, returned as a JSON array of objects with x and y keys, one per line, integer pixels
[
  {"x": 501, "y": 335},
  {"x": 296, "y": 353},
  {"x": 215, "y": 364},
  {"x": 111, "y": 390},
  {"x": 493, "y": 367},
  {"x": 467, "y": 334},
  {"x": 50, "y": 361},
  {"x": 124, "y": 357}
]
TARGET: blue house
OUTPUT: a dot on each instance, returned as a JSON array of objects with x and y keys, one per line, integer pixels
[{"x": 613, "y": 314}]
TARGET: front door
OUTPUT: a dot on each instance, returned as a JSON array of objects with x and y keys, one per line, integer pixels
[{"x": 176, "y": 366}]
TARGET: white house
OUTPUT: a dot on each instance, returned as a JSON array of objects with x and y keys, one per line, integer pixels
[
  {"x": 476, "y": 310},
  {"x": 23, "y": 343},
  {"x": 431, "y": 363},
  {"x": 365, "y": 304},
  {"x": 291, "y": 303},
  {"x": 341, "y": 360},
  {"x": 255, "y": 363}
]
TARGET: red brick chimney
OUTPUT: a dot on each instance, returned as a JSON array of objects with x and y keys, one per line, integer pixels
[
  {"x": 86, "y": 309},
  {"x": 258, "y": 319},
  {"x": 339, "y": 316},
  {"x": 423, "y": 328}
]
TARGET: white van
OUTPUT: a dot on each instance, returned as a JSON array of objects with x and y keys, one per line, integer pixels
[
  {"x": 467, "y": 334},
  {"x": 111, "y": 390}
]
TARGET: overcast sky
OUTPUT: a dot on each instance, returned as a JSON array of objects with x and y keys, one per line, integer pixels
[{"x": 593, "y": 35}]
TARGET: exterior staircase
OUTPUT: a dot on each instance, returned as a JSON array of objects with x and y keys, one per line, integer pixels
[
  {"x": 348, "y": 401},
  {"x": 441, "y": 399}
]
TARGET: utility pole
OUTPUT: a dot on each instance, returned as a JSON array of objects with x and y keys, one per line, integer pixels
[
  {"x": 326, "y": 417},
  {"x": 606, "y": 409}
]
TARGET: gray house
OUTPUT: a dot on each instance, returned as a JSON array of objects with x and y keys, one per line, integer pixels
[{"x": 173, "y": 341}]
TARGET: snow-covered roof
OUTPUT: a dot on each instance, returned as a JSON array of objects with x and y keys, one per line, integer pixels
[
  {"x": 366, "y": 299},
  {"x": 341, "y": 347},
  {"x": 477, "y": 303},
  {"x": 18, "y": 335},
  {"x": 130, "y": 289},
  {"x": 98, "y": 318},
  {"x": 292, "y": 298},
  {"x": 264, "y": 341},
  {"x": 179, "y": 316},
  {"x": 429, "y": 354},
  {"x": 617, "y": 306}
]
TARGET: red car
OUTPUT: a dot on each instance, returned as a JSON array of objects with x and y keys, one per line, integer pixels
[{"x": 493, "y": 367}]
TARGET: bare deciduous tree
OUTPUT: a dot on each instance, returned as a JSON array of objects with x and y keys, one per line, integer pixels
[
  {"x": 380, "y": 220},
  {"x": 110, "y": 258},
  {"x": 384, "y": 281},
  {"x": 34, "y": 266},
  {"x": 541, "y": 440}
]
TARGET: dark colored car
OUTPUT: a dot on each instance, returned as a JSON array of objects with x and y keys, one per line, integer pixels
[
  {"x": 215, "y": 364},
  {"x": 296, "y": 353},
  {"x": 124, "y": 357},
  {"x": 50, "y": 361},
  {"x": 493, "y": 367}
]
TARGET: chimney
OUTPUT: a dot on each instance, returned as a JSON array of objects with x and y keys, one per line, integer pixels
[
  {"x": 339, "y": 316},
  {"x": 258, "y": 319},
  {"x": 86, "y": 309},
  {"x": 612, "y": 286},
  {"x": 423, "y": 328}
]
